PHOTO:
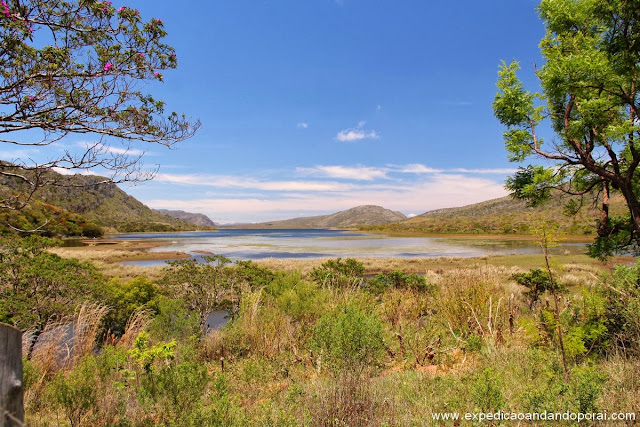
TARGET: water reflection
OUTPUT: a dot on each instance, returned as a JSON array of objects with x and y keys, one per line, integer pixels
[{"x": 309, "y": 244}]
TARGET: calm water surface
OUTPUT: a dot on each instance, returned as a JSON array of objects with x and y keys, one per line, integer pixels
[{"x": 238, "y": 244}]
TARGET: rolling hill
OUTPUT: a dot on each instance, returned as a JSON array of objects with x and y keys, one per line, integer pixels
[
  {"x": 502, "y": 216},
  {"x": 201, "y": 220},
  {"x": 103, "y": 204},
  {"x": 354, "y": 217}
]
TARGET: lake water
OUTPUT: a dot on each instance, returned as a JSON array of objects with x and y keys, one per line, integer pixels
[{"x": 242, "y": 244}]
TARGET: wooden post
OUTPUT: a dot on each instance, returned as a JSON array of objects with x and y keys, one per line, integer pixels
[{"x": 11, "y": 389}]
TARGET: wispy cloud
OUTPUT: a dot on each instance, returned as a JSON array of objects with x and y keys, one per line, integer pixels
[
  {"x": 486, "y": 171},
  {"x": 104, "y": 148},
  {"x": 364, "y": 173},
  {"x": 303, "y": 125},
  {"x": 439, "y": 191},
  {"x": 227, "y": 181},
  {"x": 123, "y": 151},
  {"x": 351, "y": 135},
  {"x": 272, "y": 194},
  {"x": 417, "y": 169}
]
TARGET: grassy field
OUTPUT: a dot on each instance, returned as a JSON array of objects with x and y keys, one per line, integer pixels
[{"x": 367, "y": 342}]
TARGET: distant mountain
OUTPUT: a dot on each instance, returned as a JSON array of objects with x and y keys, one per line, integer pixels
[
  {"x": 354, "y": 217},
  {"x": 198, "y": 219},
  {"x": 503, "y": 216},
  {"x": 103, "y": 204}
]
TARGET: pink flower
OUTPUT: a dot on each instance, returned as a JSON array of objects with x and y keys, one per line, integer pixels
[
  {"x": 108, "y": 66},
  {"x": 6, "y": 10},
  {"x": 141, "y": 55},
  {"x": 155, "y": 73},
  {"x": 121, "y": 8}
]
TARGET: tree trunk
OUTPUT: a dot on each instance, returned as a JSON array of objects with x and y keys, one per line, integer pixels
[
  {"x": 11, "y": 388},
  {"x": 634, "y": 207},
  {"x": 604, "y": 228}
]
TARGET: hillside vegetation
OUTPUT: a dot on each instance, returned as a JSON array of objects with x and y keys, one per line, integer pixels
[
  {"x": 104, "y": 204},
  {"x": 503, "y": 216},
  {"x": 198, "y": 219},
  {"x": 358, "y": 216}
]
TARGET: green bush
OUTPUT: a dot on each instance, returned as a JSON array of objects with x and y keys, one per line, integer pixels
[
  {"x": 398, "y": 280},
  {"x": 339, "y": 274},
  {"x": 348, "y": 339},
  {"x": 125, "y": 298},
  {"x": 75, "y": 392},
  {"x": 486, "y": 391}
]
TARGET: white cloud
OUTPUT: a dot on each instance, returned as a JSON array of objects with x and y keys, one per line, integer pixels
[
  {"x": 486, "y": 171},
  {"x": 18, "y": 154},
  {"x": 123, "y": 151},
  {"x": 103, "y": 148},
  {"x": 363, "y": 173},
  {"x": 227, "y": 181},
  {"x": 440, "y": 191},
  {"x": 303, "y": 125},
  {"x": 351, "y": 135},
  {"x": 417, "y": 169},
  {"x": 361, "y": 124}
]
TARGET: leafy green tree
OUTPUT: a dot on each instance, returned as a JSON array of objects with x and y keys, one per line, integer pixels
[
  {"x": 200, "y": 285},
  {"x": 78, "y": 67},
  {"x": 37, "y": 287},
  {"x": 590, "y": 99}
]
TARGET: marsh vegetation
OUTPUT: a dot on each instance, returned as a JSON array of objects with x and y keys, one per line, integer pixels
[{"x": 322, "y": 342}]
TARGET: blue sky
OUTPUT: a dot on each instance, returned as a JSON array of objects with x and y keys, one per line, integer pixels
[{"x": 314, "y": 106}]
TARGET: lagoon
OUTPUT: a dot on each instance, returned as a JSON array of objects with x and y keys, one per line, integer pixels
[{"x": 247, "y": 244}]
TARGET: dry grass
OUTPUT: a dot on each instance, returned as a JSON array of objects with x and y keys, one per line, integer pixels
[
  {"x": 62, "y": 344},
  {"x": 139, "y": 321}
]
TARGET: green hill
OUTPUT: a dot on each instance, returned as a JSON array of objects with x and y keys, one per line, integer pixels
[
  {"x": 104, "y": 204},
  {"x": 502, "y": 216},
  {"x": 354, "y": 217}
]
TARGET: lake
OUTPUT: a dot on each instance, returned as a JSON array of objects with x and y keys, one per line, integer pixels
[{"x": 244, "y": 244}]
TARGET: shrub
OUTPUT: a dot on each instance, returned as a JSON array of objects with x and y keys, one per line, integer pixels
[
  {"x": 341, "y": 274},
  {"x": 398, "y": 280},
  {"x": 348, "y": 339}
]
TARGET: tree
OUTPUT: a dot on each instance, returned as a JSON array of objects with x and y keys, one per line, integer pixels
[
  {"x": 590, "y": 98},
  {"x": 78, "y": 67}
]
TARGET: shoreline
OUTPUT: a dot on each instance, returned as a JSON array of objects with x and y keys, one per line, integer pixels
[{"x": 118, "y": 250}]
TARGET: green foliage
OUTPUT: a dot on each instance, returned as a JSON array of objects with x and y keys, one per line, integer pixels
[
  {"x": 536, "y": 281},
  {"x": 339, "y": 274},
  {"x": 90, "y": 61},
  {"x": 51, "y": 221},
  {"x": 486, "y": 391},
  {"x": 587, "y": 384},
  {"x": 37, "y": 287},
  {"x": 76, "y": 392},
  {"x": 588, "y": 98},
  {"x": 622, "y": 309},
  {"x": 302, "y": 300},
  {"x": 398, "y": 280},
  {"x": 348, "y": 339},
  {"x": 174, "y": 319},
  {"x": 125, "y": 298},
  {"x": 200, "y": 285},
  {"x": 145, "y": 355}
]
